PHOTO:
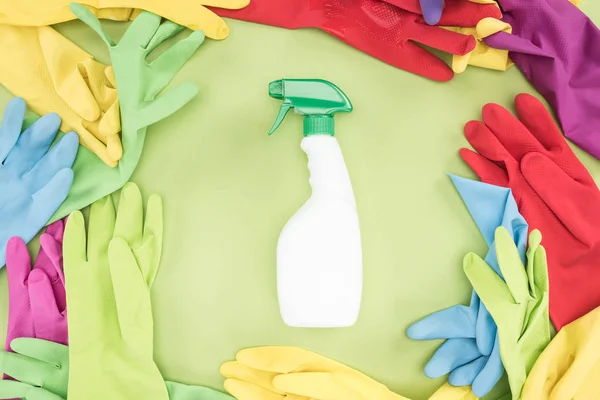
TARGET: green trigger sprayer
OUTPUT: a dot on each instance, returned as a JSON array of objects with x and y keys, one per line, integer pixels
[
  {"x": 319, "y": 249},
  {"x": 317, "y": 99}
]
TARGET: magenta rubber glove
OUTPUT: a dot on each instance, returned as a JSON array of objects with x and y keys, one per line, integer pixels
[
  {"x": 37, "y": 298},
  {"x": 558, "y": 49}
]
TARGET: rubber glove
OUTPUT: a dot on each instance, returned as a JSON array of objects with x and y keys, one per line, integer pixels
[
  {"x": 37, "y": 299},
  {"x": 519, "y": 305},
  {"x": 139, "y": 83},
  {"x": 558, "y": 49},
  {"x": 64, "y": 79},
  {"x": 35, "y": 178},
  {"x": 109, "y": 272},
  {"x": 459, "y": 13},
  {"x": 379, "y": 29},
  {"x": 42, "y": 368},
  {"x": 555, "y": 194},
  {"x": 472, "y": 352},
  {"x": 274, "y": 372},
  {"x": 569, "y": 368},
  {"x": 191, "y": 14}
]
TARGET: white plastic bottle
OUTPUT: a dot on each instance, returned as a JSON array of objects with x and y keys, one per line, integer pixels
[{"x": 319, "y": 254}]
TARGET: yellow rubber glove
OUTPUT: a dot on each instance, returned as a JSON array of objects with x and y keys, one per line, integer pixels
[
  {"x": 482, "y": 55},
  {"x": 449, "y": 392},
  {"x": 189, "y": 13},
  {"x": 292, "y": 373},
  {"x": 52, "y": 74},
  {"x": 569, "y": 368}
]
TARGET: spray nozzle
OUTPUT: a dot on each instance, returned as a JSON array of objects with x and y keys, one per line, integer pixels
[{"x": 318, "y": 100}]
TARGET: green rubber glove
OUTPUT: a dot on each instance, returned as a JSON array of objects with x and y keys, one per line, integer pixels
[
  {"x": 518, "y": 304},
  {"x": 41, "y": 367},
  {"x": 108, "y": 274},
  {"x": 138, "y": 84},
  {"x": 43, "y": 370}
]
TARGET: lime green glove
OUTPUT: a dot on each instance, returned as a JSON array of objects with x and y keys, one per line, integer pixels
[
  {"x": 138, "y": 83},
  {"x": 108, "y": 276},
  {"x": 41, "y": 367},
  {"x": 291, "y": 373},
  {"x": 518, "y": 304}
]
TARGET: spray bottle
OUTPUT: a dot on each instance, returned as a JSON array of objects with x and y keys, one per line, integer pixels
[{"x": 319, "y": 255}]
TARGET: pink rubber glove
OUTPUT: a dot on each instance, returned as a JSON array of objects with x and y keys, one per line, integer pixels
[{"x": 37, "y": 298}]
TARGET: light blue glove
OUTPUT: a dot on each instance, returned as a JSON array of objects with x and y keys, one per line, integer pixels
[
  {"x": 34, "y": 178},
  {"x": 472, "y": 352}
]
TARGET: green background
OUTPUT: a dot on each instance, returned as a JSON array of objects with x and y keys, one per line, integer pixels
[{"x": 228, "y": 189}]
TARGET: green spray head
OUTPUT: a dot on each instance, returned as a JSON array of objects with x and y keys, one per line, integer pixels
[{"x": 318, "y": 100}]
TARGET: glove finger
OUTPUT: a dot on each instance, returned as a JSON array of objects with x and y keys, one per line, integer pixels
[
  {"x": 49, "y": 353},
  {"x": 101, "y": 229},
  {"x": 132, "y": 298},
  {"x": 452, "y": 354},
  {"x": 492, "y": 290},
  {"x": 18, "y": 267},
  {"x": 454, "y": 322},
  {"x": 153, "y": 236},
  {"x": 56, "y": 230},
  {"x": 487, "y": 145},
  {"x": 538, "y": 120},
  {"x": 432, "y": 10},
  {"x": 513, "y": 135},
  {"x": 130, "y": 215},
  {"x": 165, "y": 31},
  {"x": 247, "y": 391},
  {"x": 485, "y": 331},
  {"x": 241, "y": 372},
  {"x": 22, "y": 368},
  {"x": 466, "y": 374},
  {"x": 511, "y": 265},
  {"x": 49, "y": 321},
  {"x": 167, "y": 104},
  {"x": 579, "y": 216},
  {"x": 88, "y": 18},
  {"x": 52, "y": 251},
  {"x": 75, "y": 243},
  {"x": 286, "y": 359},
  {"x": 33, "y": 144},
  {"x": 485, "y": 169},
  {"x": 514, "y": 43},
  {"x": 443, "y": 39},
  {"x": 490, "y": 374},
  {"x": 175, "y": 57},
  {"x": 10, "y": 127},
  {"x": 60, "y": 156},
  {"x": 13, "y": 389}
]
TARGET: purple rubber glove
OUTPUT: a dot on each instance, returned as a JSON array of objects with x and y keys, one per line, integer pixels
[
  {"x": 432, "y": 10},
  {"x": 37, "y": 298},
  {"x": 558, "y": 49}
]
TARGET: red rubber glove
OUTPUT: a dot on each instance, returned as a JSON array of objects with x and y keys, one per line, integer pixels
[
  {"x": 377, "y": 28},
  {"x": 462, "y": 13},
  {"x": 554, "y": 192}
]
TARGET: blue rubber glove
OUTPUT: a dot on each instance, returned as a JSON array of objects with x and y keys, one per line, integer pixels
[
  {"x": 432, "y": 10},
  {"x": 34, "y": 178},
  {"x": 472, "y": 352}
]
